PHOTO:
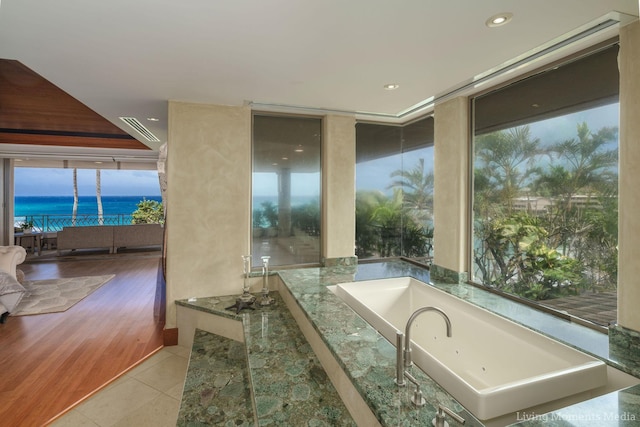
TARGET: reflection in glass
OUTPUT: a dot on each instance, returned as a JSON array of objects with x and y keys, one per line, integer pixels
[
  {"x": 394, "y": 197},
  {"x": 286, "y": 190}
]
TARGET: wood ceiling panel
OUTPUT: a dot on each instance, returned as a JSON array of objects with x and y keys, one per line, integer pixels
[
  {"x": 34, "y": 111},
  {"x": 69, "y": 140}
]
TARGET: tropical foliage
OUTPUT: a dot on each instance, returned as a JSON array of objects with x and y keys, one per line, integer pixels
[
  {"x": 148, "y": 212},
  {"x": 545, "y": 216},
  {"x": 398, "y": 224},
  {"x": 304, "y": 217}
]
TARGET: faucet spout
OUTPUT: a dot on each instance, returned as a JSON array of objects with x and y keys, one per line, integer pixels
[{"x": 407, "y": 332}]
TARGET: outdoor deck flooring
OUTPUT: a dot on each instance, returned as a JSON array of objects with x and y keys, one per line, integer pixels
[{"x": 600, "y": 308}]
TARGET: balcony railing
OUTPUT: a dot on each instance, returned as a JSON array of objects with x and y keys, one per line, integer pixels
[{"x": 46, "y": 223}]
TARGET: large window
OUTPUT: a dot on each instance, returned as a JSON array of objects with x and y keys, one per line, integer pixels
[
  {"x": 44, "y": 196},
  {"x": 394, "y": 190},
  {"x": 545, "y": 195},
  {"x": 286, "y": 190}
]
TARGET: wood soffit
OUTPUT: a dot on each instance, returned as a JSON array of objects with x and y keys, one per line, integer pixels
[{"x": 34, "y": 111}]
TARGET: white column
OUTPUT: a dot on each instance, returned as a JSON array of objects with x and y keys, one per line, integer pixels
[
  {"x": 451, "y": 185},
  {"x": 6, "y": 196},
  {"x": 338, "y": 187},
  {"x": 208, "y": 201},
  {"x": 629, "y": 195}
]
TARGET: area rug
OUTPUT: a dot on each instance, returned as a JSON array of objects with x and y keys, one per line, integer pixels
[{"x": 56, "y": 295}]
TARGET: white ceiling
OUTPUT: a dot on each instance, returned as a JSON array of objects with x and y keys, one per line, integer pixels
[{"x": 129, "y": 57}]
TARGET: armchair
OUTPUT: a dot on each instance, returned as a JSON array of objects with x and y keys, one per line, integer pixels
[{"x": 11, "y": 291}]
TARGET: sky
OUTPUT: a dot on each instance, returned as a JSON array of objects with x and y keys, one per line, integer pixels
[
  {"x": 59, "y": 182},
  {"x": 375, "y": 174}
]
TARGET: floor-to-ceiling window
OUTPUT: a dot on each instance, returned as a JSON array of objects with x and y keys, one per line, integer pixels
[
  {"x": 545, "y": 201},
  {"x": 44, "y": 196},
  {"x": 394, "y": 190},
  {"x": 286, "y": 189}
]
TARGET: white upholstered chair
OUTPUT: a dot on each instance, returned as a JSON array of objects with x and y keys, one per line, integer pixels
[
  {"x": 11, "y": 291},
  {"x": 10, "y": 257}
]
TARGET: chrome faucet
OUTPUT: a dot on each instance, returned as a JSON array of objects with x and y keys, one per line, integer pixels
[{"x": 403, "y": 352}]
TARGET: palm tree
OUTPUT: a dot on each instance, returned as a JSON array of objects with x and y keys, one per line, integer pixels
[
  {"x": 75, "y": 197},
  {"x": 387, "y": 218},
  {"x": 417, "y": 189},
  {"x": 586, "y": 165},
  {"x": 506, "y": 161},
  {"x": 99, "y": 197},
  {"x": 588, "y": 231}
]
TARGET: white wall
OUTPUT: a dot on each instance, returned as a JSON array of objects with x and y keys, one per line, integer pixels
[
  {"x": 208, "y": 201},
  {"x": 209, "y": 198}
]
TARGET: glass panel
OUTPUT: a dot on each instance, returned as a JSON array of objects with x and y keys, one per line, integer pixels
[
  {"x": 394, "y": 190},
  {"x": 545, "y": 200},
  {"x": 286, "y": 190}
]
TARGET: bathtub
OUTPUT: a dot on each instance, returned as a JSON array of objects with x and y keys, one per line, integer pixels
[{"x": 491, "y": 365}]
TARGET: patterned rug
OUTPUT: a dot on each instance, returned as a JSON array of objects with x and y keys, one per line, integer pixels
[{"x": 56, "y": 295}]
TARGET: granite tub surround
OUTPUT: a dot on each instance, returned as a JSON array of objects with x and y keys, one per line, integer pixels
[
  {"x": 444, "y": 275},
  {"x": 363, "y": 354},
  {"x": 617, "y": 409},
  {"x": 289, "y": 385},
  {"x": 216, "y": 390},
  {"x": 341, "y": 261},
  {"x": 368, "y": 359},
  {"x": 624, "y": 348}
]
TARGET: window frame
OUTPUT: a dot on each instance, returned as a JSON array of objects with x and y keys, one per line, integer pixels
[
  {"x": 470, "y": 214},
  {"x": 403, "y": 150},
  {"x": 321, "y": 119}
]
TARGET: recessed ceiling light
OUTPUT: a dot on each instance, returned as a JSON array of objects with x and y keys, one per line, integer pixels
[
  {"x": 391, "y": 86},
  {"x": 98, "y": 163},
  {"x": 153, "y": 119},
  {"x": 285, "y": 158},
  {"x": 499, "y": 19},
  {"x": 299, "y": 149}
]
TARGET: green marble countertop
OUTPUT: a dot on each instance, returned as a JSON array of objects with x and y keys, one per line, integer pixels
[
  {"x": 369, "y": 360},
  {"x": 216, "y": 389},
  {"x": 290, "y": 387}
]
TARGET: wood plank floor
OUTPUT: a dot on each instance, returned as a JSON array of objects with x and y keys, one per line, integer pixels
[{"x": 50, "y": 362}]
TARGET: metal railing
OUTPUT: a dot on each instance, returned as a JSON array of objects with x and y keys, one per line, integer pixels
[{"x": 47, "y": 223}]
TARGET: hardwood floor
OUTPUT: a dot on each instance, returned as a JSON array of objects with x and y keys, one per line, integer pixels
[{"x": 50, "y": 362}]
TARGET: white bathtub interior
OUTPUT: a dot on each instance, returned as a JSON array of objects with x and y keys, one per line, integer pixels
[{"x": 491, "y": 365}]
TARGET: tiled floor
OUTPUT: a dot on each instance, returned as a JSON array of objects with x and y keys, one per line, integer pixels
[{"x": 148, "y": 395}]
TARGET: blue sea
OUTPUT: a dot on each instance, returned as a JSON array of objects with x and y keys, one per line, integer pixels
[{"x": 39, "y": 207}]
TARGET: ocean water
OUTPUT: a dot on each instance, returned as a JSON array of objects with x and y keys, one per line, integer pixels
[
  {"x": 39, "y": 207},
  {"x": 63, "y": 205}
]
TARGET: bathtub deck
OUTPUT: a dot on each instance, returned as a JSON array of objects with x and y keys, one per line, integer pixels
[
  {"x": 369, "y": 360},
  {"x": 289, "y": 385}
]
